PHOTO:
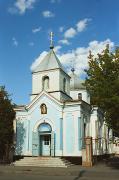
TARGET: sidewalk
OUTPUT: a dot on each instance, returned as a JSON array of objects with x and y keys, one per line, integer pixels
[
  {"x": 108, "y": 166},
  {"x": 71, "y": 171}
]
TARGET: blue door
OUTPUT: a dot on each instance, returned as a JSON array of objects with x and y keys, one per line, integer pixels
[{"x": 45, "y": 141}]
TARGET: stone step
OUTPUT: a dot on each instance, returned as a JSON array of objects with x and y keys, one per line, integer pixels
[
  {"x": 42, "y": 162},
  {"x": 44, "y": 158},
  {"x": 39, "y": 165},
  {"x": 55, "y": 163},
  {"x": 42, "y": 165}
]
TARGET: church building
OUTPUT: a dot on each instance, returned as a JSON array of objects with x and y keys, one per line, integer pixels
[{"x": 59, "y": 115}]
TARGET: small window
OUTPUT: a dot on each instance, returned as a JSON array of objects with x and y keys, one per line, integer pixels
[
  {"x": 45, "y": 127},
  {"x": 84, "y": 129},
  {"x": 64, "y": 85},
  {"x": 43, "y": 109},
  {"x": 80, "y": 96},
  {"x": 45, "y": 82},
  {"x": 46, "y": 140}
]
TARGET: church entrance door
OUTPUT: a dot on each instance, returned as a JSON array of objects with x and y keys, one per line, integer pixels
[{"x": 45, "y": 145}]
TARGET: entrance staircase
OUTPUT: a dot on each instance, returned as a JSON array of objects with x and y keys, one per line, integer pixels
[{"x": 42, "y": 162}]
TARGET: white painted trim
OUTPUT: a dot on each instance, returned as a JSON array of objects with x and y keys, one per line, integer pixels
[
  {"x": 43, "y": 120},
  {"x": 79, "y": 153},
  {"x": 75, "y": 119},
  {"x": 41, "y": 94},
  {"x": 64, "y": 135}
]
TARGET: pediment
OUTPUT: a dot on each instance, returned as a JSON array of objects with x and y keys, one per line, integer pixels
[{"x": 40, "y": 97}]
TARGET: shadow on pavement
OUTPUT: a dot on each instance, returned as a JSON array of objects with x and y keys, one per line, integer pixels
[
  {"x": 79, "y": 175},
  {"x": 113, "y": 162}
]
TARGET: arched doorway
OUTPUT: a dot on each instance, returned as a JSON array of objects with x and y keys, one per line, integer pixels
[{"x": 45, "y": 139}]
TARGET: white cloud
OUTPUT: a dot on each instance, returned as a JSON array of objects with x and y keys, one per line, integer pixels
[
  {"x": 36, "y": 30},
  {"x": 64, "y": 41},
  {"x": 57, "y": 48},
  {"x": 73, "y": 31},
  {"x": 14, "y": 41},
  {"x": 78, "y": 56},
  {"x": 82, "y": 24},
  {"x": 48, "y": 14},
  {"x": 70, "y": 33},
  {"x": 20, "y": 6},
  {"x": 61, "y": 29},
  {"x": 38, "y": 60}
]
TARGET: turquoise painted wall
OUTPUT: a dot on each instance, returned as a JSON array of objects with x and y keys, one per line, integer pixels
[
  {"x": 69, "y": 133},
  {"x": 80, "y": 131},
  {"x": 61, "y": 133},
  {"x": 55, "y": 116}
]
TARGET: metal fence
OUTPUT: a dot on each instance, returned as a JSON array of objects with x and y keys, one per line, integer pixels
[{"x": 100, "y": 146}]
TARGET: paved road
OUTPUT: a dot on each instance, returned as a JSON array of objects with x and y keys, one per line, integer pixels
[
  {"x": 75, "y": 173},
  {"x": 102, "y": 171},
  {"x": 92, "y": 176}
]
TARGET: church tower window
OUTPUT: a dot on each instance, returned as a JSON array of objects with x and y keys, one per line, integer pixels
[
  {"x": 64, "y": 85},
  {"x": 45, "y": 82},
  {"x": 80, "y": 96}
]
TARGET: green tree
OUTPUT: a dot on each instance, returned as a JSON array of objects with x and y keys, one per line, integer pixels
[
  {"x": 103, "y": 84},
  {"x": 7, "y": 115}
]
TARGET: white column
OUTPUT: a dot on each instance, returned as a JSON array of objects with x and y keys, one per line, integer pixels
[
  {"x": 75, "y": 119},
  {"x": 64, "y": 134},
  {"x": 28, "y": 136}
]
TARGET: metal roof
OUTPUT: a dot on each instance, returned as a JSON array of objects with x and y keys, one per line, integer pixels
[
  {"x": 50, "y": 61},
  {"x": 76, "y": 83}
]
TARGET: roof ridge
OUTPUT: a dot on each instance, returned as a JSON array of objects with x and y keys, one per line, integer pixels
[{"x": 50, "y": 61}]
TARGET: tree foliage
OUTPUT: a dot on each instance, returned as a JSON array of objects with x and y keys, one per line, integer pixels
[
  {"x": 7, "y": 115},
  {"x": 103, "y": 84}
]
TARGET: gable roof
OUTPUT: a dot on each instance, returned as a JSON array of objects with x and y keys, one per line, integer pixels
[
  {"x": 61, "y": 103},
  {"x": 43, "y": 93},
  {"x": 50, "y": 61}
]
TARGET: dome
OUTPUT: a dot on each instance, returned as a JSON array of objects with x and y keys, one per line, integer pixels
[{"x": 75, "y": 82}]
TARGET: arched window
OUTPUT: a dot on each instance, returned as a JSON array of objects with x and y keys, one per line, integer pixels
[
  {"x": 64, "y": 85},
  {"x": 80, "y": 96},
  {"x": 45, "y": 82},
  {"x": 44, "y": 127},
  {"x": 43, "y": 108}
]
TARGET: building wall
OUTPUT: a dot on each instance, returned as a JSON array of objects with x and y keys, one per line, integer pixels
[
  {"x": 67, "y": 122},
  {"x": 53, "y": 81},
  {"x": 56, "y": 77},
  {"x": 100, "y": 134},
  {"x": 72, "y": 134},
  {"x": 85, "y": 95},
  {"x": 64, "y": 122},
  {"x": 62, "y": 76},
  {"x": 60, "y": 96}
]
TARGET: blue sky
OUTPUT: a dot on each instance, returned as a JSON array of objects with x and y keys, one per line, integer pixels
[{"x": 78, "y": 26}]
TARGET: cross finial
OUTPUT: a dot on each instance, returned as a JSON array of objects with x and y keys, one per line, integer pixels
[
  {"x": 51, "y": 40},
  {"x": 74, "y": 62}
]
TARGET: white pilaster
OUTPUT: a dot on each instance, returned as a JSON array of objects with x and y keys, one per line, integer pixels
[{"x": 64, "y": 135}]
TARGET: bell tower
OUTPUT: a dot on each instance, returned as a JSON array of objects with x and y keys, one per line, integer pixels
[{"x": 51, "y": 77}]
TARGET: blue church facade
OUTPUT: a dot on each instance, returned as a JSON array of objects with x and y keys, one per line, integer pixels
[
  {"x": 57, "y": 133},
  {"x": 59, "y": 115}
]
